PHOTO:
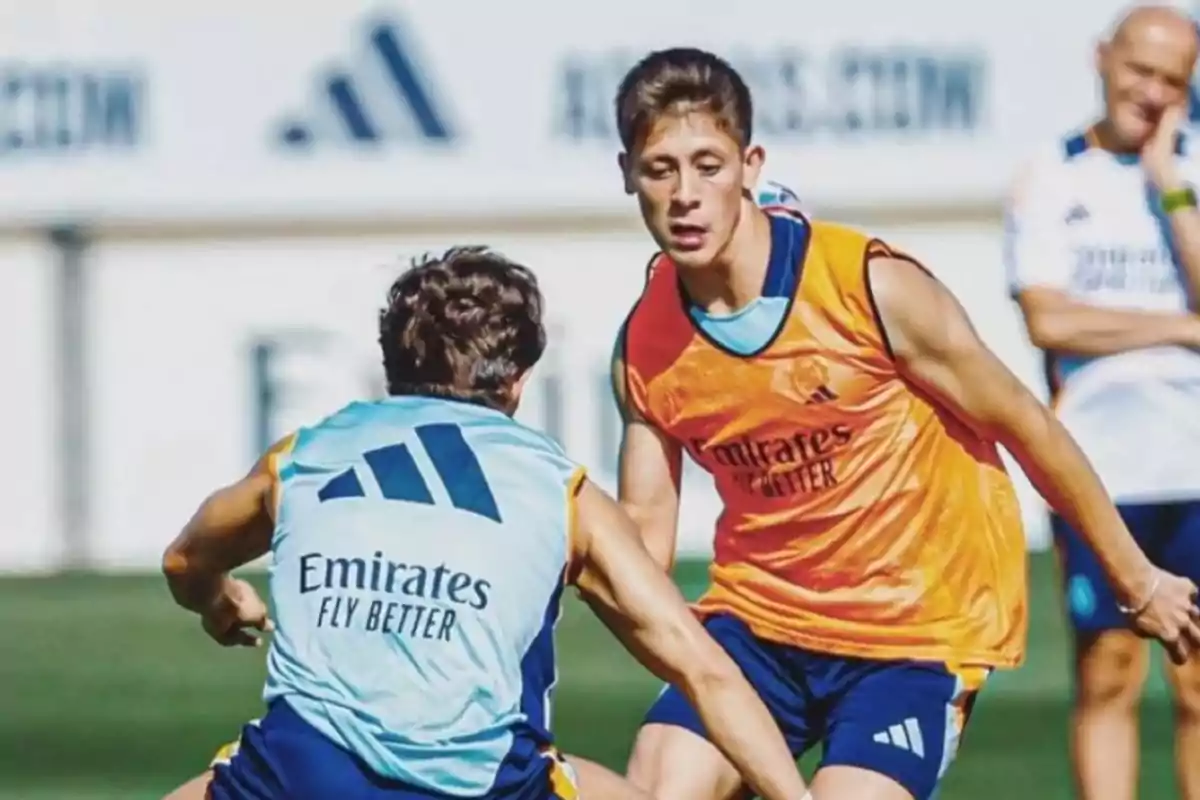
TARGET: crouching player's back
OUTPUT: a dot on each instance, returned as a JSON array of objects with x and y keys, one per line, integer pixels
[
  {"x": 420, "y": 553},
  {"x": 421, "y": 545}
]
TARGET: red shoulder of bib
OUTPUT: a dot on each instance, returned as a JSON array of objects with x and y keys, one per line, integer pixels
[{"x": 658, "y": 330}]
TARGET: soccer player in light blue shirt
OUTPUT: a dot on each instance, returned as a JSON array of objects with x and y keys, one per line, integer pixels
[{"x": 421, "y": 544}]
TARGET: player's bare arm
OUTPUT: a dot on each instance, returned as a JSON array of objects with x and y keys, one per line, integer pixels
[
  {"x": 938, "y": 350},
  {"x": 644, "y": 609},
  {"x": 232, "y": 527},
  {"x": 649, "y": 473},
  {"x": 1060, "y": 324},
  {"x": 1161, "y": 164}
]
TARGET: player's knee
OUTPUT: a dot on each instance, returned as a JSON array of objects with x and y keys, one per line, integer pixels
[
  {"x": 644, "y": 762},
  {"x": 670, "y": 763},
  {"x": 1111, "y": 668},
  {"x": 1185, "y": 688}
]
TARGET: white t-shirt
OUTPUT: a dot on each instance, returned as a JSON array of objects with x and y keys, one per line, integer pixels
[{"x": 1083, "y": 221}]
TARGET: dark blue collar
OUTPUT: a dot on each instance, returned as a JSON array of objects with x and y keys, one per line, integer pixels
[
  {"x": 789, "y": 238},
  {"x": 1077, "y": 144}
]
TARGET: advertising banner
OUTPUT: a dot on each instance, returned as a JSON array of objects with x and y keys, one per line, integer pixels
[{"x": 233, "y": 111}]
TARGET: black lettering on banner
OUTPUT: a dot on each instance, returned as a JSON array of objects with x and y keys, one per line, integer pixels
[
  {"x": 855, "y": 92},
  {"x": 59, "y": 110}
]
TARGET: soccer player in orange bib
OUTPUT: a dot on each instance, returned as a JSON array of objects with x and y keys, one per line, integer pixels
[{"x": 869, "y": 566}]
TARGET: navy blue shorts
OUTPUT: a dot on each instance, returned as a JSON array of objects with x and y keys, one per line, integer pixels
[
  {"x": 902, "y": 719},
  {"x": 1168, "y": 533},
  {"x": 282, "y": 757}
]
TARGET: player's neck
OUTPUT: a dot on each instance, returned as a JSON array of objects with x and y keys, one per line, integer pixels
[
  {"x": 1102, "y": 135},
  {"x": 735, "y": 277}
]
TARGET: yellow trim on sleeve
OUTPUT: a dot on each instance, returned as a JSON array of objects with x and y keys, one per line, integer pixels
[
  {"x": 280, "y": 448},
  {"x": 574, "y": 483}
]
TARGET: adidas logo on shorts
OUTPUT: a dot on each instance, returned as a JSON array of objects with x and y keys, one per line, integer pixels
[{"x": 906, "y": 736}]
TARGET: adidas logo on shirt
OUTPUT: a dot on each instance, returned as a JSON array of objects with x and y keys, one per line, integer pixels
[{"x": 823, "y": 394}]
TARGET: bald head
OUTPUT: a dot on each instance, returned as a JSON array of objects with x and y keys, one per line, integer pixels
[
  {"x": 1145, "y": 67},
  {"x": 1156, "y": 22}
]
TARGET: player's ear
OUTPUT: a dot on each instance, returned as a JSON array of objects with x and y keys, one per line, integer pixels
[
  {"x": 752, "y": 164},
  {"x": 1100, "y": 58},
  {"x": 623, "y": 163}
]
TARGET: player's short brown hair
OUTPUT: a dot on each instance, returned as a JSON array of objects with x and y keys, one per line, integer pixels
[
  {"x": 677, "y": 80},
  {"x": 463, "y": 325}
]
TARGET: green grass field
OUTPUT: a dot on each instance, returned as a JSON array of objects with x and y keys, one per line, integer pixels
[{"x": 108, "y": 691}]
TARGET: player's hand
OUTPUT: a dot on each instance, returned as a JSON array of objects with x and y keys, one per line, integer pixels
[
  {"x": 237, "y": 616},
  {"x": 1171, "y": 616},
  {"x": 1159, "y": 159}
]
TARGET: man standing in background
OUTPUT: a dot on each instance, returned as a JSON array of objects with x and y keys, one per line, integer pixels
[{"x": 1103, "y": 245}]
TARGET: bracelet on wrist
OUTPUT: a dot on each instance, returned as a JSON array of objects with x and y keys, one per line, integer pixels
[{"x": 1139, "y": 609}]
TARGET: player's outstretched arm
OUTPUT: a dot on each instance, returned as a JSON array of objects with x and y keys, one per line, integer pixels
[
  {"x": 232, "y": 527},
  {"x": 937, "y": 349},
  {"x": 649, "y": 472},
  {"x": 642, "y": 607}
]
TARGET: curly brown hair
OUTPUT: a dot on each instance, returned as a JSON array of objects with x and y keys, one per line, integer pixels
[{"x": 464, "y": 325}]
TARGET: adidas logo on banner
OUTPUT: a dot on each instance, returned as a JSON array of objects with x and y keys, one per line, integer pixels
[
  {"x": 386, "y": 95},
  {"x": 906, "y": 736}
]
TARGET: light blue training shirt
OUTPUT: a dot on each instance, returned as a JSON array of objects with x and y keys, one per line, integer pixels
[
  {"x": 753, "y": 327},
  {"x": 419, "y": 557}
]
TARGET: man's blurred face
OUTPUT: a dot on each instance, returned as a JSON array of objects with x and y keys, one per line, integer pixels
[{"x": 1145, "y": 69}]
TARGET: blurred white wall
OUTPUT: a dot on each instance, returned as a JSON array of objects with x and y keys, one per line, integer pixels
[{"x": 250, "y": 176}]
